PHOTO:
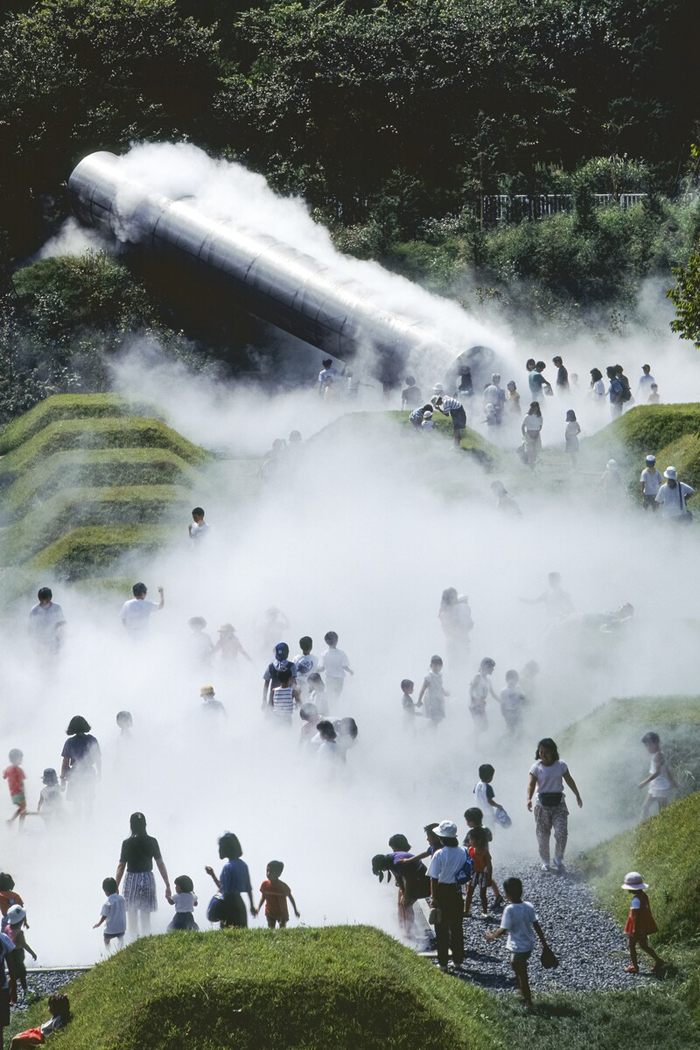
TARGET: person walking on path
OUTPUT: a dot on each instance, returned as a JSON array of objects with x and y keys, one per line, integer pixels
[
  {"x": 547, "y": 776},
  {"x": 531, "y": 430},
  {"x": 43, "y": 618},
  {"x": 136, "y": 859},
  {"x": 650, "y": 481},
  {"x": 445, "y": 873},
  {"x": 81, "y": 764},
  {"x": 673, "y": 497},
  {"x": 519, "y": 922}
]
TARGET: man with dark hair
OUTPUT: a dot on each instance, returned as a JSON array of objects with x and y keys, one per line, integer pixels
[
  {"x": 562, "y": 380},
  {"x": 43, "y": 618},
  {"x": 198, "y": 527},
  {"x": 136, "y": 612}
]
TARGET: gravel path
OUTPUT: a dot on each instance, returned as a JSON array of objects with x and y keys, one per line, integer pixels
[
  {"x": 590, "y": 946},
  {"x": 42, "y": 983}
]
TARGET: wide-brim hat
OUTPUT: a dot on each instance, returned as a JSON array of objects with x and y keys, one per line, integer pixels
[
  {"x": 446, "y": 830},
  {"x": 671, "y": 473},
  {"x": 634, "y": 881},
  {"x": 206, "y": 690},
  {"x": 16, "y": 914}
]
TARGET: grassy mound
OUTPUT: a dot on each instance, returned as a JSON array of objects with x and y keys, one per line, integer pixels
[
  {"x": 84, "y": 551},
  {"x": 89, "y": 434},
  {"x": 666, "y": 850},
  {"x": 341, "y": 988},
  {"x": 80, "y": 507},
  {"x": 648, "y": 428},
  {"x": 70, "y": 406},
  {"x": 619, "y": 769},
  {"x": 107, "y": 468}
]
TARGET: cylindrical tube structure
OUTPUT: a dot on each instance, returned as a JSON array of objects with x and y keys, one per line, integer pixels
[{"x": 271, "y": 279}]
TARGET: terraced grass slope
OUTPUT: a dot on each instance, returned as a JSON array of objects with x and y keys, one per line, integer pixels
[
  {"x": 670, "y": 432},
  {"x": 83, "y": 481},
  {"x": 336, "y": 988}
]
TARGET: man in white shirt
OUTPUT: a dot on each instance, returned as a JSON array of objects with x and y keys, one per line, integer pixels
[
  {"x": 651, "y": 481},
  {"x": 135, "y": 613},
  {"x": 673, "y": 497},
  {"x": 43, "y": 618}
]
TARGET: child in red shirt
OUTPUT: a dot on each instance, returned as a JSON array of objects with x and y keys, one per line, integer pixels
[
  {"x": 274, "y": 895},
  {"x": 640, "y": 923},
  {"x": 14, "y": 775}
]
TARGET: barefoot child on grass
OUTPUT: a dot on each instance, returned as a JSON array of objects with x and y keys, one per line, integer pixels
[
  {"x": 519, "y": 922},
  {"x": 274, "y": 896},
  {"x": 112, "y": 914},
  {"x": 640, "y": 923}
]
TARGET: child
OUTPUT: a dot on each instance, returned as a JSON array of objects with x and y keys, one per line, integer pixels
[
  {"x": 327, "y": 377},
  {"x": 479, "y": 690},
  {"x": 210, "y": 705},
  {"x": 411, "y": 397},
  {"x": 201, "y": 645},
  {"x": 434, "y": 692},
  {"x": 185, "y": 902},
  {"x": 484, "y": 793},
  {"x": 640, "y": 923},
  {"x": 8, "y": 894},
  {"x": 519, "y": 922},
  {"x": 571, "y": 437},
  {"x": 228, "y": 645},
  {"x": 660, "y": 779},
  {"x": 199, "y": 527},
  {"x": 418, "y": 414},
  {"x": 475, "y": 819},
  {"x": 482, "y": 872},
  {"x": 59, "y": 1008},
  {"x": 274, "y": 895},
  {"x": 336, "y": 664},
  {"x": 512, "y": 701},
  {"x": 125, "y": 722},
  {"x": 328, "y": 749},
  {"x": 650, "y": 481},
  {"x": 305, "y": 663},
  {"x": 112, "y": 914},
  {"x": 408, "y": 706},
  {"x": 317, "y": 694},
  {"x": 310, "y": 717},
  {"x": 50, "y": 799},
  {"x": 513, "y": 399},
  {"x": 15, "y": 777},
  {"x": 427, "y": 422},
  {"x": 271, "y": 677},
  {"x": 527, "y": 681},
  {"x": 654, "y": 398},
  {"x": 16, "y": 920},
  {"x": 284, "y": 698}
]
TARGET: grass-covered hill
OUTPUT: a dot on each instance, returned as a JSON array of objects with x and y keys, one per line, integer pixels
[
  {"x": 670, "y": 432},
  {"x": 337, "y": 988},
  {"x": 86, "y": 480}
]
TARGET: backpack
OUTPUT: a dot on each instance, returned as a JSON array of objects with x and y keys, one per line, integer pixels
[
  {"x": 465, "y": 873},
  {"x": 625, "y": 393}
]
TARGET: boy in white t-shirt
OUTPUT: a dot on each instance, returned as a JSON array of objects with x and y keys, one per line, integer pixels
[
  {"x": 519, "y": 922},
  {"x": 113, "y": 915},
  {"x": 651, "y": 481},
  {"x": 336, "y": 665},
  {"x": 136, "y": 612},
  {"x": 305, "y": 663}
]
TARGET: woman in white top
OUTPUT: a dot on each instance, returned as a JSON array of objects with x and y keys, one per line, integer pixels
[
  {"x": 547, "y": 777},
  {"x": 531, "y": 430},
  {"x": 660, "y": 781},
  {"x": 445, "y": 871},
  {"x": 597, "y": 387}
]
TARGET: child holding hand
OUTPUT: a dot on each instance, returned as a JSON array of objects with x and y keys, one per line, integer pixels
[
  {"x": 274, "y": 896},
  {"x": 640, "y": 923}
]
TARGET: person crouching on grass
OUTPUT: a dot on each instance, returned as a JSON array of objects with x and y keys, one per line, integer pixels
[
  {"x": 519, "y": 922},
  {"x": 640, "y": 923}
]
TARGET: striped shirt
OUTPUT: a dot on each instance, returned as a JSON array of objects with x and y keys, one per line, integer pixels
[
  {"x": 283, "y": 700},
  {"x": 450, "y": 404},
  {"x": 416, "y": 417}
]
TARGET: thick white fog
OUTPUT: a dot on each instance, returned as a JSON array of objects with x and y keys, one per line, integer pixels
[{"x": 359, "y": 531}]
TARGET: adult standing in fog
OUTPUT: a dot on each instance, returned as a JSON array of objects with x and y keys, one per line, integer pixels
[
  {"x": 537, "y": 382},
  {"x": 673, "y": 497},
  {"x": 137, "y": 611},
  {"x": 562, "y": 380},
  {"x": 233, "y": 881},
  {"x": 456, "y": 621},
  {"x": 546, "y": 782},
  {"x": 531, "y": 430},
  {"x": 137, "y": 856},
  {"x": 43, "y": 620},
  {"x": 81, "y": 765}
]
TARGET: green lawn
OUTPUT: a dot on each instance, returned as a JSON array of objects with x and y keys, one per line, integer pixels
[{"x": 71, "y": 406}]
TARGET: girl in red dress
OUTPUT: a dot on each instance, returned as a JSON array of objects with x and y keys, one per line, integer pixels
[{"x": 640, "y": 922}]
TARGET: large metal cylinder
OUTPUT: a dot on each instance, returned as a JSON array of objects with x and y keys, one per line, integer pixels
[{"x": 271, "y": 279}]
